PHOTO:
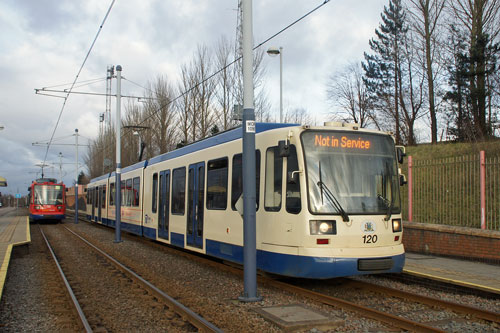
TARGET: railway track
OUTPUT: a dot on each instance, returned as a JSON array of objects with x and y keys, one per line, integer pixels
[
  {"x": 114, "y": 298},
  {"x": 384, "y": 304},
  {"x": 380, "y": 304}
]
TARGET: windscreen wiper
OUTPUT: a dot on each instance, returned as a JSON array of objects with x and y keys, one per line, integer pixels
[
  {"x": 389, "y": 205},
  {"x": 331, "y": 197}
]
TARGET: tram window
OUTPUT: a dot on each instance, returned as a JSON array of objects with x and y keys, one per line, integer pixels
[
  {"x": 237, "y": 179},
  {"x": 89, "y": 191},
  {"x": 217, "y": 184},
  {"x": 130, "y": 193},
  {"x": 136, "y": 188},
  {"x": 154, "y": 195},
  {"x": 96, "y": 196},
  {"x": 274, "y": 177},
  {"x": 293, "y": 204},
  {"x": 103, "y": 203},
  {"x": 112, "y": 194},
  {"x": 178, "y": 191},
  {"x": 122, "y": 193}
]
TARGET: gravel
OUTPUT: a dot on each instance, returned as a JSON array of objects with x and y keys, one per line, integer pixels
[{"x": 207, "y": 291}]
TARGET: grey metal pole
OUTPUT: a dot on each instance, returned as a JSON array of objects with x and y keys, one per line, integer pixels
[
  {"x": 118, "y": 235},
  {"x": 76, "y": 182},
  {"x": 281, "y": 84},
  {"x": 248, "y": 127}
]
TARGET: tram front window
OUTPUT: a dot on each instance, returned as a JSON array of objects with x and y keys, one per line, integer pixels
[
  {"x": 358, "y": 170},
  {"x": 48, "y": 195}
]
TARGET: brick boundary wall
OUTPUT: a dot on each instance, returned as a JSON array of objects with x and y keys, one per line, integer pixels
[{"x": 443, "y": 240}]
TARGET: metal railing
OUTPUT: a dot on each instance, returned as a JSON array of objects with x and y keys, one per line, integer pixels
[{"x": 460, "y": 191}]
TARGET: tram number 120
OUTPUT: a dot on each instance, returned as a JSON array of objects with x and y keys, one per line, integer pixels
[{"x": 370, "y": 239}]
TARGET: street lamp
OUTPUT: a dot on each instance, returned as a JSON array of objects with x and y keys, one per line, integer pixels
[
  {"x": 137, "y": 133},
  {"x": 273, "y": 51}
]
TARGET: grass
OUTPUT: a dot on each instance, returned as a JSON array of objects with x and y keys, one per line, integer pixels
[{"x": 446, "y": 184}]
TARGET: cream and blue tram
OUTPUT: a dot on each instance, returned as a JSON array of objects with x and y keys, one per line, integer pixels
[{"x": 328, "y": 201}]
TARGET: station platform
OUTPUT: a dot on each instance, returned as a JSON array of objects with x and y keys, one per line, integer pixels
[
  {"x": 14, "y": 231},
  {"x": 465, "y": 273}
]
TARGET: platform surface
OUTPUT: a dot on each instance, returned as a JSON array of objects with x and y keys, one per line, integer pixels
[
  {"x": 14, "y": 231},
  {"x": 461, "y": 272}
]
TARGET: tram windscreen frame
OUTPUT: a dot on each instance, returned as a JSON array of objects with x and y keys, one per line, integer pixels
[
  {"x": 359, "y": 169},
  {"x": 48, "y": 194}
]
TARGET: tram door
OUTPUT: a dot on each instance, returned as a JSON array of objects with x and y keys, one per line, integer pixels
[
  {"x": 92, "y": 202},
  {"x": 99, "y": 204},
  {"x": 196, "y": 194},
  {"x": 164, "y": 206}
]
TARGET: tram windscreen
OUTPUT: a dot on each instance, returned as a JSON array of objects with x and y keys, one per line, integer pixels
[
  {"x": 359, "y": 170},
  {"x": 48, "y": 194}
]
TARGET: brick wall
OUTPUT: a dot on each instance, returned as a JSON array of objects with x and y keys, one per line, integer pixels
[{"x": 469, "y": 243}]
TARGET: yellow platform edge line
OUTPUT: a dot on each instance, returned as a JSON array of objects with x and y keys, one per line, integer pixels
[
  {"x": 3, "y": 269},
  {"x": 6, "y": 259},
  {"x": 458, "y": 282}
]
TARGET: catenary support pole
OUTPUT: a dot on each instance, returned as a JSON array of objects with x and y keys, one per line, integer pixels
[
  {"x": 281, "y": 84},
  {"x": 482, "y": 176},
  {"x": 410, "y": 189},
  {"x": 248, "y": 128},
  {"x": 76, "y": 181},
  {"x": 118, "y": 235}
]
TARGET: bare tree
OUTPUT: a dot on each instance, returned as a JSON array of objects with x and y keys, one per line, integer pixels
[
  {"x": 204, "y": 91},
  {"x": 426, "y": 16},
  {"x": 185, "y": 105},
  {"x": 160, "y": 112},
  {"x": 130, "y": 142},
  {"x": 297, "y": 116},
  {"x": 347, "y": 90},
  {"x": 225, "y": 82},
  {"x": 100, "y": 154},
  {"x": 411, "y": 86}
]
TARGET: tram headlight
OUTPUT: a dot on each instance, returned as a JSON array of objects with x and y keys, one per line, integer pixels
[
  {"x": 396, "y": 225},
  {"x": 322, "y": 227}
]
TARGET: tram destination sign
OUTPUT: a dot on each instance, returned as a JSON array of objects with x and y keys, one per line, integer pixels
[
  {"x": 338, "y": 141},
  {"x": 341, "y": 142}
]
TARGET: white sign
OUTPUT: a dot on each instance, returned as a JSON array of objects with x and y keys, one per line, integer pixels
[{"x": 250, "y": 126}]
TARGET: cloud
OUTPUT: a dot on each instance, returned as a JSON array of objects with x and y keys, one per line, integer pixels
[{"x": 44, "y": 43}]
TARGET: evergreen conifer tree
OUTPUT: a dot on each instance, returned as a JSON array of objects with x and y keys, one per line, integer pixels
[{"x": 383, "y": 67}]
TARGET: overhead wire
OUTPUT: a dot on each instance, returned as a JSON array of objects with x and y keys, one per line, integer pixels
[
  {"x": 90, "y": 81},
  {"x": 76, "y": 78},
  {"x": 233, "y": 62},
  {"x": 196, "y": 85}
]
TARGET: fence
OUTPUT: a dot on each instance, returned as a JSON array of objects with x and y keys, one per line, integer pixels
[{"x": 461, "y": 191}]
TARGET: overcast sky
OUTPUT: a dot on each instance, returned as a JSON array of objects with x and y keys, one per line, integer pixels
[{"x": 44, "y": 42}]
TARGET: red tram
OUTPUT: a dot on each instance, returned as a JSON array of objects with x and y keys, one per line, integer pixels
[{"x": 47, "y": 200}]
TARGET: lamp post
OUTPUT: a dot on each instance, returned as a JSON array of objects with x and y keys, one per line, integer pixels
[
  {"x": 273, "y": 51},
  {"x": 118, "y": 172}
]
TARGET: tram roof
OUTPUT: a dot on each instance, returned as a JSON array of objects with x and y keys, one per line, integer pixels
[{"x": 227, "y": 136}]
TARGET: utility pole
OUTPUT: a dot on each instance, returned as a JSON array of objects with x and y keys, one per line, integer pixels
[
  {"x": 118, "y": 236},
  {"x": 249, "y": 193},
  {"x": 76, "y": 179},
  {"x": 60, "y": 167}
]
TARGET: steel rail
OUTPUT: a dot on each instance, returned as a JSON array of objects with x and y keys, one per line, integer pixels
[
  {"x": 460, "y": 308},
  {"x": 194, "y": 318},
  {"x": 81, "y": 315},
  {"x": 387, "y": 318}
]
